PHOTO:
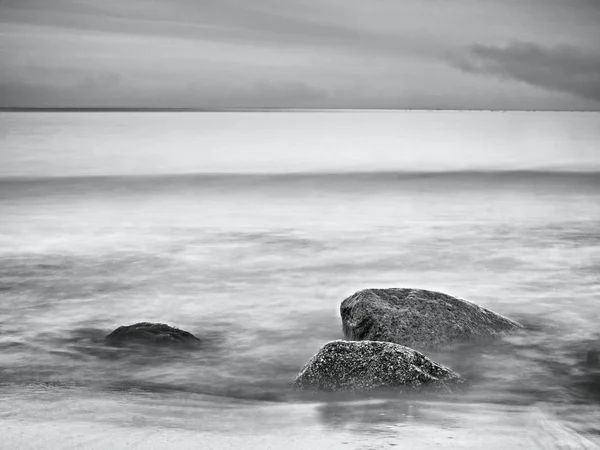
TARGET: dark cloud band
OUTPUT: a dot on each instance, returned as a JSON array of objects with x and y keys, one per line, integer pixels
[{"x": 562, "y": 68}]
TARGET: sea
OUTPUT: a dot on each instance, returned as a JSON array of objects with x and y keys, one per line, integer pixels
[{"x": 256, "y": 266}]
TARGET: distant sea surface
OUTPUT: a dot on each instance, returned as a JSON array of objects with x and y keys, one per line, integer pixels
[{"x": 257, "y": 265}]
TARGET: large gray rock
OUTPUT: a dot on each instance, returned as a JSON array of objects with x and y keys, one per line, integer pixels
[
  {"x": 150, "y": 333},
  {"x": 418, "y": 318},
  {"x": 371, "y": 365}
]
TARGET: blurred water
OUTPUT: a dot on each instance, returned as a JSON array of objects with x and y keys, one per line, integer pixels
[{"x": 257, "y": 266}]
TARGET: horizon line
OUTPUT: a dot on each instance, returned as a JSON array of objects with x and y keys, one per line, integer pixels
[
  {"x": 268, "y": 109},
  {"x": 300, "y": 174}
]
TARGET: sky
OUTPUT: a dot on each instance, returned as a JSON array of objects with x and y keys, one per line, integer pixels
[{"x": 364, "y": 54}]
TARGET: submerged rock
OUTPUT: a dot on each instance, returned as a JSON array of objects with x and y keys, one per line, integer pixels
[
  {"x": 371, "y": 365},
  {"x": 150, "y": 333},
  {"x": 418, "y": 318}
]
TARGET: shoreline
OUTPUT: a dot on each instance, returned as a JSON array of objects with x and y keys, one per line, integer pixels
[{"x": 124, "y": 422}]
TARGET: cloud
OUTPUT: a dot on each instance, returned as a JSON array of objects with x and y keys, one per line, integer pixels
[
  {"x": 302, "y": 53},
  {"x": 561, "y": 69},
  {"x": 263, "y": 22}
]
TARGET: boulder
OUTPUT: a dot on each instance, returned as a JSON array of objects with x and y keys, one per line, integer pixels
[
  {"x": 150, "y": 333},
  {"x": 371, "y": 365},
  {"x": 418, "y": 318}
]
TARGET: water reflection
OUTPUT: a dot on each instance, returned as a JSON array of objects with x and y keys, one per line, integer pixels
[{"x": 344, "y": 414}]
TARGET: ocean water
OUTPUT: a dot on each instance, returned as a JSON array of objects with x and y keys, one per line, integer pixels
[{"x": 257, "y": 265}]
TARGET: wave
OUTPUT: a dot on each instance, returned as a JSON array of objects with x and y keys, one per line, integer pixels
[{"x": 221, "y": 182}]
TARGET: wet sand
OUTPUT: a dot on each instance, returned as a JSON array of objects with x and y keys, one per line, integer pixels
[{"x": 150, "y": 423}]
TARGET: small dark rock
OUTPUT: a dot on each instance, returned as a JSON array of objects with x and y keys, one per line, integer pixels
[
  {"x": 150, "y": 333},
  {"x": 371, "y": 365},
  {"x": 418, "y": 318}
]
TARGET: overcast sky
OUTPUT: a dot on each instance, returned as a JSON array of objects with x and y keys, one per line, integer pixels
[{"x": 458, "y": 54}]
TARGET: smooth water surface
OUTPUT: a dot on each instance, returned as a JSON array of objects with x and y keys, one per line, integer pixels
[{"x": 257, "y": 265}]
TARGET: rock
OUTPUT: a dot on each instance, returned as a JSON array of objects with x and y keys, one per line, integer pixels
[
  {"x": 371, "y": 365},
  {"x": 151, "y": 333},
  {"x": 418, "y": 318}
]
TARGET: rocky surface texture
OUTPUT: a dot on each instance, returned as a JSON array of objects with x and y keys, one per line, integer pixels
[
  {"x": 418, "y": 318},
  {"x": 150, "y": 333},
  {"x": 370, "y": 365}
]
